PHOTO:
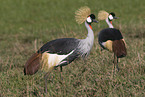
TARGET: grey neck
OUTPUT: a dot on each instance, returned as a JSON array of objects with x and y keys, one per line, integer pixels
[
  {"x": 86, "y": 44},
  {"x": 90, "y": 31},
  {"x": 109, "y": 24}
]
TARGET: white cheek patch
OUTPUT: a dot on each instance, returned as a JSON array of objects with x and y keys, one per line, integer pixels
[
  {"x": 110, "y": 17},
  {"x": 89, "y": 20}
]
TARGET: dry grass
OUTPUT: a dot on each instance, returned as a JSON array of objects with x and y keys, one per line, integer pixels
[{"x": 21, "y": 35}]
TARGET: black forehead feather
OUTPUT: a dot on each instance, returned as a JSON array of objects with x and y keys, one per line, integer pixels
[
  {"x": 92, "y": 16},
  {"x": 112, "y": 13}
]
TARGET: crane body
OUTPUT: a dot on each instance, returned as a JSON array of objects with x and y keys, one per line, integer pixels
[
  {"x": 111, "y": 38},
  {"x": 63, "y": 51}
]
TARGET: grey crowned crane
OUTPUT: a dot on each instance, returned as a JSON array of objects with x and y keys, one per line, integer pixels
[
  {"x": 111, "y": 38},
  {"x": 61, "y": 52}
]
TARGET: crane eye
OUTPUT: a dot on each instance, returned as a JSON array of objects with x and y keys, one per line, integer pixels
[
  {"x": 89, "y": 20},
  {"x": 110, "y": 17}
]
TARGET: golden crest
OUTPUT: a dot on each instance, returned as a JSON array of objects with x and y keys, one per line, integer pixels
[
  {"x": 82, "y": 14},
  {"x": 102, "y": 15}
]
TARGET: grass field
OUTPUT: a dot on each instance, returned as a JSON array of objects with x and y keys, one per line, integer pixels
[{"x": 25, "y": 25}]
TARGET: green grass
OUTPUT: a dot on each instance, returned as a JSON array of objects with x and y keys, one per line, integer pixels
[{"x": 25, "y": 25}]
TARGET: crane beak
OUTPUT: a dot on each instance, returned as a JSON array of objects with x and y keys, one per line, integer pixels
[
  {"x": 115, "y": 17},
  {"x": 95, "y": 21}
]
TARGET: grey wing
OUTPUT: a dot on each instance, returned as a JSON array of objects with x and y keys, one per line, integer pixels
[{"x": 60, "y": 46}]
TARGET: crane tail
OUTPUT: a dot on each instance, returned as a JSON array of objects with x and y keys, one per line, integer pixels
[
  {"x": 32, "y": 65},
  {"x": 119, "y": 48}
]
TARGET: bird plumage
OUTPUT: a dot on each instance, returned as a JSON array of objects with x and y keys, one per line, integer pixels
[
  {"x": 111, "y": 38},
  {"x": 119, "y": 48},
  {"x": 33, "y": 63},
  {"x": 53, "y": 51},
  {"x": 60, "y": 52},
  {"x": 108, "y": 34},
  {"x": 63, "y": 51},
  {"x": 60, "y": 46}
]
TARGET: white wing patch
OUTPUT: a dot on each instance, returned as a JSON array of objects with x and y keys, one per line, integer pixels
[
  {"x": 107, "y": 45},
  {"x": 51, "y": 60},
  {"x": 103, "y": 43}
]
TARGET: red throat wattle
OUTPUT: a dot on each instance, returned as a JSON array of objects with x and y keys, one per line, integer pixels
[{"x": 90, "y": 26}]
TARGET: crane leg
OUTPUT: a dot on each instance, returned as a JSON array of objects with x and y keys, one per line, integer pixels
[
  {"x": 116, "y": 63},
  {"x": 45, "y": 78},
  {"x": 61, "y": 73}
]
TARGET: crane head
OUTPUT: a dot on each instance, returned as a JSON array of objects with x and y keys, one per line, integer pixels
[
  {"x": 112, "y": 16},
  {"x": 102, "y": 15},
  {"x": 91, "y": 18}
]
